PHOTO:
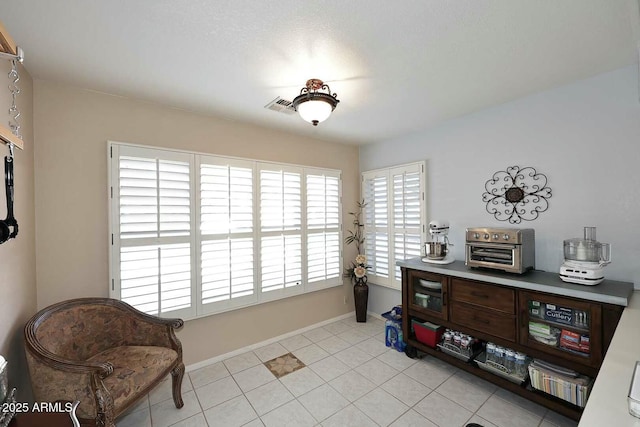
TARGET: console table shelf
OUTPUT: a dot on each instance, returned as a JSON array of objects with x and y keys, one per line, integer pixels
[{"x": 499, "y": 307}]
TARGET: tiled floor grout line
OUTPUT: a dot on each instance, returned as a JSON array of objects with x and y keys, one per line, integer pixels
[
  {"x": 347, "y": 328},
  {"x": 199, "y": 404},
  {"x": 409, "y": 408},
  {"x": 243, "y": 392}
]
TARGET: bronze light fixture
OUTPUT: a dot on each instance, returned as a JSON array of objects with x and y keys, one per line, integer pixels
[{"x": 315, "y": 102}]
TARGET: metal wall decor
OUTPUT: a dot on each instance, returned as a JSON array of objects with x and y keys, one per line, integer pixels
[
  {"x": 516, "y": 194},
  {"x": 14, "y": 89}
]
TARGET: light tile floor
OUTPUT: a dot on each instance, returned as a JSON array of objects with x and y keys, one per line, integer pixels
[{"x": 351, "y": 379}]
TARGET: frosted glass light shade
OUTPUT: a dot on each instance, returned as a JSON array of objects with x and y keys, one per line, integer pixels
[
  {"x": 314, "y": 111},
  {"x": 315, "y": 102}
]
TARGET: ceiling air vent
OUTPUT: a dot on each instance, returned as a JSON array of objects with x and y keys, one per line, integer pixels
[{"x": 281, "y": 105}]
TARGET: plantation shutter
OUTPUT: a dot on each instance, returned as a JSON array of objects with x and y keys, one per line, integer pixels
[
  {"x": 407, "y": 215},
  {"x": 394, "y": 219},
  {"x": 194, "y": 234},
  {"x": 323, "y": 228},
  {"x": 153, "y": 230},
  {"x": 280, "y": 190},
  {"x": 227, "y": 252},
  {"x": 376, "y": 223}
]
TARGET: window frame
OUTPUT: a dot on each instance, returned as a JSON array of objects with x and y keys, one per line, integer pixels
[
  {"x": 391, "y": 281},
  {"x": 196, "y": 237}
]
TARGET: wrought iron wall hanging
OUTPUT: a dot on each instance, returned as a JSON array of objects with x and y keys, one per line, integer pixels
[
  {"x": 9, "y": 225},
  {"x": 516, "y": 194}
]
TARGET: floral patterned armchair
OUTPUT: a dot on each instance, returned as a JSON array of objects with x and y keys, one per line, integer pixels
[{"x": 103, "y": 353}]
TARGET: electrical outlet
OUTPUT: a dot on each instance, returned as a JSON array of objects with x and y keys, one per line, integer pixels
[{"x": 345, "y": 300}]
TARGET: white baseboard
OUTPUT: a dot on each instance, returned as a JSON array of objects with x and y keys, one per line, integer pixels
[
  {"x": 221, "y": 357},
  {"x": 376, "y": 315}
]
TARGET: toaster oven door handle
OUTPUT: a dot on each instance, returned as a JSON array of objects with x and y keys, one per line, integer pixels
[{"x": 491, "y": 246}]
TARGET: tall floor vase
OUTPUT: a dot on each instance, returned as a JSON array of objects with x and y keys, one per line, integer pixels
[{"x": 361, "y": 298}]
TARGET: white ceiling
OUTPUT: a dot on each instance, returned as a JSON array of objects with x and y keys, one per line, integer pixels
[{"x": 397, "y": 67}]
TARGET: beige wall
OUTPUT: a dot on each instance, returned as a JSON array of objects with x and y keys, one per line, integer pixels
[
  {"x": 17, "y": 256},
  {"x": 72, "y": 127}
]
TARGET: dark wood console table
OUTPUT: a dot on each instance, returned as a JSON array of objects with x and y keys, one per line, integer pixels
[{"x": 495, "y": 306}]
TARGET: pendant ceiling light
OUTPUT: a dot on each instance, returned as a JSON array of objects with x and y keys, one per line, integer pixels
[{"x": 315, "y": 102}]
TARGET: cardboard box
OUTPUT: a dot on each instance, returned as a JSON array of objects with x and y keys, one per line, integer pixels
[
  {"x": 539, "y": 328},
  {"x": 557, "y": 314},
  {"x": 574, "y": 341}
]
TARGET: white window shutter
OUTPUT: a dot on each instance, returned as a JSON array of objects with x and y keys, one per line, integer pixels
[
  {"x": 227, "y": 269},
  {"x": 280, "y": 190},
  {"x": 227, "y": 252},
  {"x": 175, "y": 277},
  {"x": 324, "y": 264},
  {"x": 156, "y": 279},
  {"x": 193, "y": 234},
  {"x": 394, "y": 219},
  {"x": 323, "y": 201},
  {"x": 281, "y": 262},
  {"x": 376, "y": 222},
  {"x": 174, "y": 198},
  {"x": 138, "y": 201},
  {"x": 154, "y": 260},
  {"x": 226, "y": 197},
  {"x": 407, "y": 215},
  {"x": 323, "y": 257},
  {"x": 280, "y": 200}
]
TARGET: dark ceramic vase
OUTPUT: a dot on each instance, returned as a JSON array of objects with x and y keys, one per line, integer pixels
[{"x": 361, "y": 298}]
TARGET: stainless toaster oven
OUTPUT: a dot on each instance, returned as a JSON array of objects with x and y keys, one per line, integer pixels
[{"x": 509, "y": 249}]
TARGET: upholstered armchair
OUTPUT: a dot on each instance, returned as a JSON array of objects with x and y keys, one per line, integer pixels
[{"x": 103, "y": 353}]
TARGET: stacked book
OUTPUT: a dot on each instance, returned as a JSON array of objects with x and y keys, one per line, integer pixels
[{"x": 560, "y": 382}]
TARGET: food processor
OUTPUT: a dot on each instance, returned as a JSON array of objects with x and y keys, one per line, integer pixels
[
  {"x": 437, "y": 249},
  {"x": 584, "y": 259}
]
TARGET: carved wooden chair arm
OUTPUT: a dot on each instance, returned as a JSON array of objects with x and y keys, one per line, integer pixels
[
  {"x": 59, "y": 363},
  {"x": 154, "y": 330},
  {"x": 63, "y": 379}
]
